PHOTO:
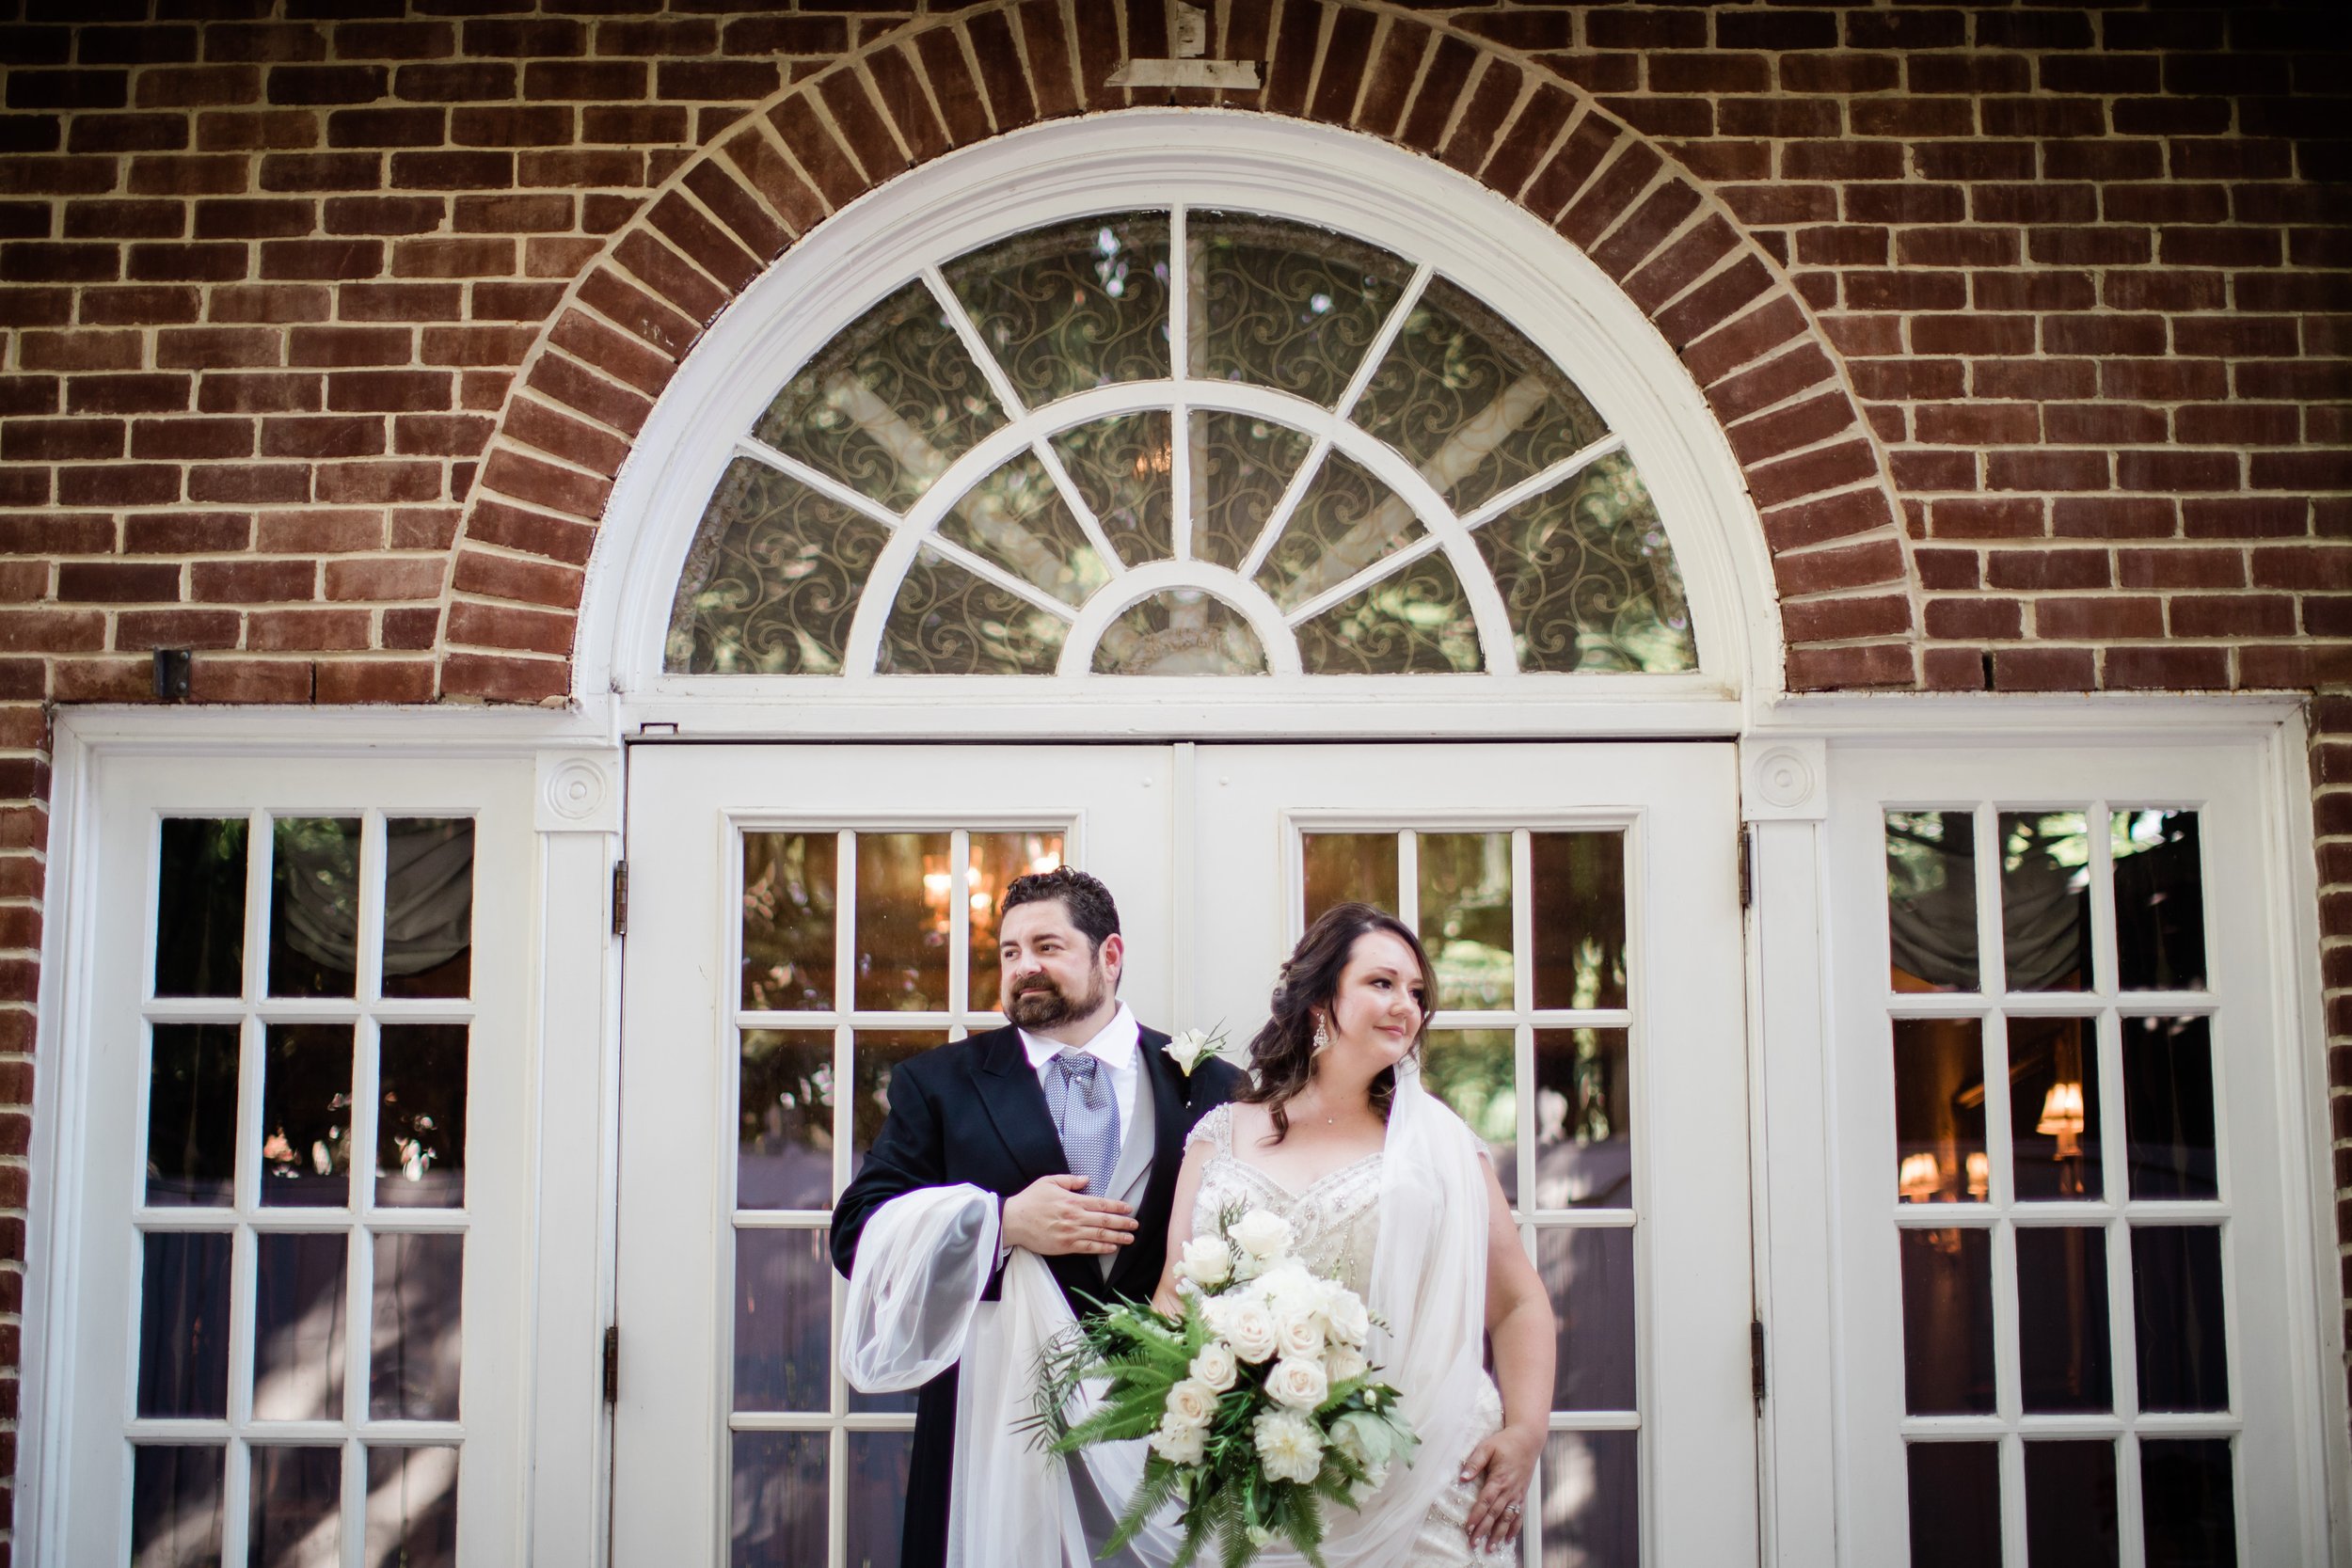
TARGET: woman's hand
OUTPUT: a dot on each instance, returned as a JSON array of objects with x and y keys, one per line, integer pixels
[
  {"x": 1504, "y": 1464},
  {"x": 1166, "y": 1302}
]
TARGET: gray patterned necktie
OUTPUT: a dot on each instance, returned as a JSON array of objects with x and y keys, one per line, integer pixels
[{"x": 1086, "y": 1113}]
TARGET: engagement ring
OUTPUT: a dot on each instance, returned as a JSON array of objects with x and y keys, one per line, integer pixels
[{"x": 1512, "y": 1508}]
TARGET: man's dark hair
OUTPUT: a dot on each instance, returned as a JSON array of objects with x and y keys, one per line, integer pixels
[{"x": 1087, "y": 899}]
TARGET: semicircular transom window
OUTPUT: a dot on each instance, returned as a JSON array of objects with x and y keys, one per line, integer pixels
[{"x": 1184, "y": 442}]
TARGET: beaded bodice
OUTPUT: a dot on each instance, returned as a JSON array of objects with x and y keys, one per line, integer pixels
[{"x": 1335, "y": 1218}]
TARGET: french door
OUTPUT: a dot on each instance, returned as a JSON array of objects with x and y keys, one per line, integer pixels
[{"x": 803, "y": 918}]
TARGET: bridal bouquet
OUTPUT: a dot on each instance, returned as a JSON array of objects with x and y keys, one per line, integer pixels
[{"x": 1258, "y": 1403}]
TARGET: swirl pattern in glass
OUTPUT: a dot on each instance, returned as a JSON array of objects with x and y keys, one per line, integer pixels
[
  {"x": 1414, "y": 622},
  {"x": 1121, "y": 469},
  {"x": 1345, "y": 521},
  {"x": 1588, "y": 577},
  {"x": 773, "y": 579},
  {"x": 1073, "y": 306},
  {"x": 1016, "y": 518},
  {"x": 1180, "y": 631},
  {"x": 1241, "y": 467},
  {"x": 1286, "y": 305},
  {"x": 947, "y": 622}
]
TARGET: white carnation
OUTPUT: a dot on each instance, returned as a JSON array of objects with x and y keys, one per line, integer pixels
[
  {"x": 1342, "y": 1362},
  {"x": 1250, "y": 1329},
  {"x": 1181, "y": 1445},
  {"x": 1290, "y": 1446},
  {"x": 1208, "y": 1262},
  {"x": 1298, "y": 1382},
  {"x": 1262, "y": 1233},
  {"x": 1191, "y": 1402},
  {"x": 1215, "y": 1366}
]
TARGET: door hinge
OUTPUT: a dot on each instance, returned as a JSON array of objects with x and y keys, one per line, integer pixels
[
  {"x": 1756, "y": 1361},
  {"x": 620, "y": 898},
  {"x": 1747, "y": 872},
  {"x": 612, "y": 1363}
]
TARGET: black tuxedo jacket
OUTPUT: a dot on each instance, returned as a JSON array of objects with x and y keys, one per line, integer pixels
[{"x": 973, "y": 1112}]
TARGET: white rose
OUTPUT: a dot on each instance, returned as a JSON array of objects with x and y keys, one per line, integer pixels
[
  {"x": 1289, "y": 1287},
  {"x": 1191, "y": 1402},
  {"x": 1346, "y": 1315},
  {"x": 1298, "y": 1382},
  {"x": 1289, "y": 1445},
  {"x": 1250, "y": 1329},
  {"x": 1262, "y": 1233},
  {"x": 1208, "y": 1262},
  {"x": 1181, "y": 1445},
  {"x": 1343, "y": 1362},
  {"x": 1299, "y": 1330},
  {"x": 1215, "y": 1366}
]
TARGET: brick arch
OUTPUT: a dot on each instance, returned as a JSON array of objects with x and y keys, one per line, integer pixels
[{"x": 1811, "y": 463}]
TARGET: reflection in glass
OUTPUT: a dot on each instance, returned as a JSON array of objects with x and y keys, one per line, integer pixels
[
  {"x": 1344, "y": 521},
  {"x": 1466, "y": 916},
  {"x": 199, "y": 907},
  {"x": 1416, "y": 621},
  {"x": 421, "y": 1116},
  {"x": 1589, "y": 1274},
  {"x": 784, "y": 1135},
  {"x": 904, "y": 887},
  {"x": 1180, "y": 631},
  {"x": 2159, "y": 901},
  {"x": 412, "y": 1508},
  {"x": 946, "y": 622},
  {"x": 314, "y": 905},
  {"x": 1583, "y": 1120},
  {"x": 1017, "y": 519},
  {"x": 788, "y": 881},
  {"x": 299, "y": 1326},
  {"x": 1931, "y": 898},
  {"x": 192, "y": 1114},
  {"x": 2187, "y": 1505},
  {"x": 1121, "y": 466},
  {"x": 2070, "y": 1504},
  {"x": 1473, "y": 1071},
  {"x": 413, "y": 1367},
  {"x": 306, "y": 1116},
  {"x": 997, "y": 859},
  {"x": 1948, "y": 1322},
  {"x": 184, "y": 1323},
  {"x": 783, "y": 1309},
  {"x": 772, "y": 579},
  {"x": 2054, "y": 1107},
  {"x": 1591, "y": 1499},
  {"x": 1283, "y": 305},
  {"x": 1579, "y": 918},
  {"x": 175, "y": 1504},
  {"x": 428, "y": 906},
  {"x": 1955, "y": 1504},
  {"x": 881, "y": 1053},
  {"x": 1240, "y": 468},
  {"x": 1072, "y": 306},
  {"x": 878, "y": 1490},
  {"x": 1588, "y": 576},
  {"x": 2168, "y": 1107},
  {"x": 2045, "y": 900},
  {"x": 1344, "y": 868},
  {"x": 777, "y": 1500},
  {"x": 297, "y": 1494},
  {"x": 1939, "y": 1111},
  {"x": 2176, "y": 1307},
  {"x": 2064, "y": 1358}
]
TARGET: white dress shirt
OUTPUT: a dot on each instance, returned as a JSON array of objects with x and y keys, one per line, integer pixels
[{"x": 1118, "y": 1045}]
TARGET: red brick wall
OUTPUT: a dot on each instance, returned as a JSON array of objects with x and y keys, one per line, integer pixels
[{"x": 329, "y": 320}]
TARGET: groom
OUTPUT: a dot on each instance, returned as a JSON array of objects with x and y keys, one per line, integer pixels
[{"x": 1074, "y": 1115}]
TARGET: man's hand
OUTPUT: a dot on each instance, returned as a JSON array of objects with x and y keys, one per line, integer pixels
[{"x": 1053, "y": 1217}]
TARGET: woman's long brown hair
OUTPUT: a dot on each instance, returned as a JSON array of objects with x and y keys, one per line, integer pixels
[{"x": 1282, "y": 1056}]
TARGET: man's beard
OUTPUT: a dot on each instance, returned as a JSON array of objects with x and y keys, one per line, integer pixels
[{"x": 1040, "y": 1003}]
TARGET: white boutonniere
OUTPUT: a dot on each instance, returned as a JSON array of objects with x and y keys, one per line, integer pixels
[{"x": 1187, "y": 1048}]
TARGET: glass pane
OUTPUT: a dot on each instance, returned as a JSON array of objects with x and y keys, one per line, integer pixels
[
  {"x": 783, "y": 1309},
  {"x": 1284, "y": 305},
  {"x": 1122, "y": 468},
  {"x": 1955, "y": 1504},
  {"x": 1475, "y": 405},
  {"x": 192, "y": 1114},
  {"x": 879, "y": 1051},
  {"x": 2159, "y": 901},
  {"x": 413, "y": 1371},
  {"x": 428, "y": 906},
  {"x": 772, "y": 579},
  {"x": 314, "y": 907},
  {"x": 2177, "y": 1312},
  {"x": 1939, "y": 1111},
  {"x": 420, "y": 1117},
  {"x": 2054, "y": 1109},
  {"x": 2188, "y": 1502},
  {"x": 789, "y": 882},
  {"x": 1578, "y": 919},
  {"x": 1583, "y": 1120},
  {"x": 2045, "y": 900},
  {"x": 2168, "y": 1107},
  {"x": 878, "y": 1490},
  {"x": 776, "y": 1504},
  {"x": 1591, "y": 1499},
  {"x": 1948, "y": 1322},
  {"x": 1588, "y": 576},
  {"x": 946, "y": 622},
  {"x": 1349, "y": 867},
  {"x": 2064, "y": 1358},
  {"x": 306, "y": 1116},
  {"x": 1414, "y": 622},
  {"x": 1466, "y": 916},
  {"x": 1077, "y": 305},
  {"x": 997, "y": 859},
  {"x": 299, "y": 1326},
  {"x": 412, "y": 1508},
  {"x": 1473, "y": 1071},
  {"x": 1017, "y": 519},
  {"x": 1180, "y": 631},
  {"x": 184, "y": 1323},
  {"x": 1589, "y": 1274},
  {"x": 784, "y": 1141},
  {"x": 1345, "y": 520},
  {"x": 1931, "y": 899},
  {"x": 297, "y": 1495},
  {"x": 176, "y": 1505},
  {"x": 888, "y": 403},
  {"x": 2069, "y": 1505},
  {"x": 902, "y": 891},
  {"x": 1240, "y": 468},
  {"x": 199, "y": 911}
]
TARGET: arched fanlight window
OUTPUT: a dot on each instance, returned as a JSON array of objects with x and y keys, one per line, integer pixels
[{"x": 1183, "y": 442}]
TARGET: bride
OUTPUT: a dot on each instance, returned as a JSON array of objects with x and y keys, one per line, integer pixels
[{"x": 1390, "y": 1193}]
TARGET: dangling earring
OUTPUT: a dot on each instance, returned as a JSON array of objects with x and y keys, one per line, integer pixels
[{"x": 1323, "y": 1038}]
